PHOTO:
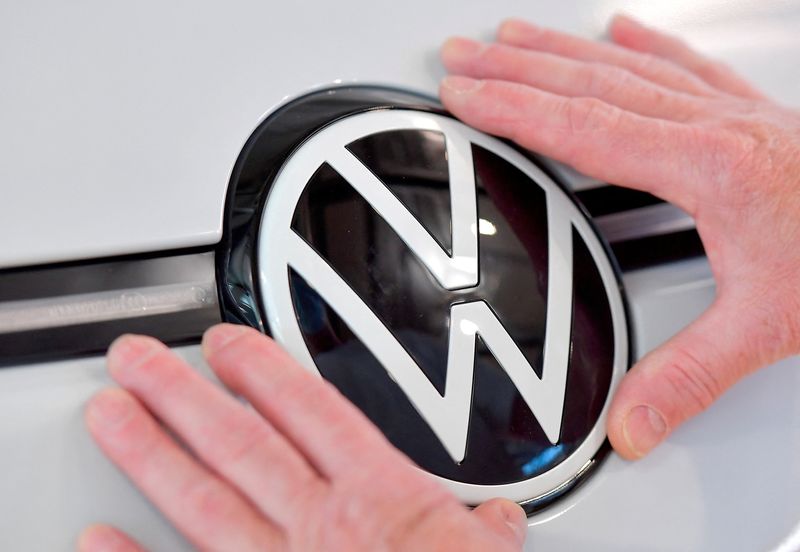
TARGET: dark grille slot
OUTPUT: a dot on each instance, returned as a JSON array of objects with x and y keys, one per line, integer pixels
[
  {"x": 642, "y": 229},
  {"x": 655, "y": 250},
  {"x": 613, "y": 199},
  {"x": 74, "y": 309}
]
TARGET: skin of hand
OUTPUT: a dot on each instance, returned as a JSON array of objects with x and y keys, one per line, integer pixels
[
  {"x": 647, "y": 112},
  {"x": 300, "y": 468}
]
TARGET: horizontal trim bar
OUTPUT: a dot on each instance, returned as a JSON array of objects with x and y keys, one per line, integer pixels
[
  {"x": 67, "y": 310},
  {"x": 85, "y": 308},
  {"x": 655, "y": 220}
]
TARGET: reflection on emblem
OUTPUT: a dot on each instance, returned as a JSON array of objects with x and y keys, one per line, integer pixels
[{"x": 282, "y": 251}]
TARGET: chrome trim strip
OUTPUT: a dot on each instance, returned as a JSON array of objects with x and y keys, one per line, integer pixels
[
  {"x": 84, "y": 308},
  {"x": 655, "y": 220},
  {"x": 109, "y": 295}
]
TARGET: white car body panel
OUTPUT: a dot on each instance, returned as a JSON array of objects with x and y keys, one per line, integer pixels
[{"x": 119, "y": 126}]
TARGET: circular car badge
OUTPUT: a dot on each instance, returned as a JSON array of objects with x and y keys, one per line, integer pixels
[{"x": 440, "y": 279}]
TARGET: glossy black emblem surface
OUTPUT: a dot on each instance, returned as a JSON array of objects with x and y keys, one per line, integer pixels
[{"x": 505, "y": 443}]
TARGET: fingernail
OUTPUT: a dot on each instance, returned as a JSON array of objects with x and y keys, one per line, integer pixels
[
  {"x": 517, "y": 520},
  {"x": 220, "y": 335},
  {"x": 462, "y": 47},
  {"x": 100, "y": 538},
  {"x": 130, "y": 350},
  {"x": 513, "y": 30},
  {"x": 461, "y": 85},
  {"x": 109, "y": 409},
  {"x": 624, "y": 19},
  {"x": 643, "y": 428}
]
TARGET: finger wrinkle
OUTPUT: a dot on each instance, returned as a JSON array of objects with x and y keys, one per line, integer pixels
[
  {"x": 460, "y": 50},
  {"x": 157, "y": 376},
  {"x": 132, "y": 438},
  {"x": 251, "y": 352},
  {"x": 218, "y": 337}
]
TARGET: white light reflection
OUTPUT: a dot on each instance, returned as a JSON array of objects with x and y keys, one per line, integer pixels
[
  {"x": 468, "y": 327},
  {"x": 484, "y": 227},
  {"x": 791, "y": 543}
]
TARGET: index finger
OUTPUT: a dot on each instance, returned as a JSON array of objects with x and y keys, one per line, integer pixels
[
  {"x": 597, "y": 139},
  {"x": 329, "y": 430},
  {"x": 231, "y": 439}
]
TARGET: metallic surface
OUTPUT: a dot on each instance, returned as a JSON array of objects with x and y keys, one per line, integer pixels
[
  {"x": 102, "y": 306},
  {"x": 654, "y": 220},
  {"x": 61, "y": 311}
]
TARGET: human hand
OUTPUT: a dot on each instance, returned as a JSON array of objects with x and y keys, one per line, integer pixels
[
  {"x": 649, "y": 113},
  {"x": 303, "y": 470}
]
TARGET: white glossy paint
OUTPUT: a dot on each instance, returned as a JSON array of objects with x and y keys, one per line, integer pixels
[{"x": 120, "y": 123}]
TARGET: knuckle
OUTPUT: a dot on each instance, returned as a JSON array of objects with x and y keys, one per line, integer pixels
[
  {"x": 730, "y": 160},
  {"x": 652, "y": 67},
  {"x": 236, "y": 341},
  {"x": 491, "y": 55},
  {"x": 711, "y": 68},
  {"x": 692, "y": 380},
  {"x": 309, "y": 502},
  {"x": 239, "y": 359},
  {"x": 590, "y": 114},
  {"x": 227, "y": 359},
  {"x": 733, "y": 151},
  {"x": 302, "y": 388},
  {"x": 241, "y": 442},
  {"x": 161, "y": 370},
  {"x": 542, "y": 34},
  {"x": 350, "y": 509},
  {"x": 209, "y": 498},
  {"x": 351, "y": 516},
  {"x": 135, "y": 438},
  {"x": 233, "y": 368},
  {"x": 603, "y": 80},
  {"x": 757, "y": 145},
  {"x": 342, "y": 521},
  {"x": 240, "y": 345},
  {"x": 647, "y": 64}
]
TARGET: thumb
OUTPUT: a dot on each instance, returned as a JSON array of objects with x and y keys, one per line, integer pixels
[
  {"x": 687, "y": 374},
  {"x": 505, "y": 518}
]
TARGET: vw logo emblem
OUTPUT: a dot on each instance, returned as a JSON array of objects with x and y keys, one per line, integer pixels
[{"x": 453, "y": 291}]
